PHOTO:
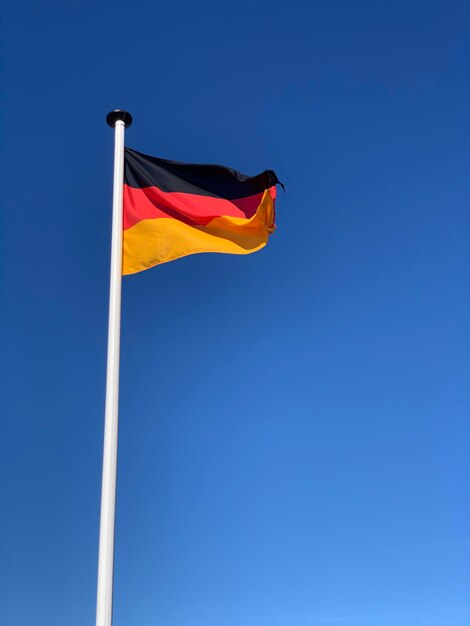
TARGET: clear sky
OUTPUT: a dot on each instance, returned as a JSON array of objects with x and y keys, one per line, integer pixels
[{"x": 294, "y": 424}]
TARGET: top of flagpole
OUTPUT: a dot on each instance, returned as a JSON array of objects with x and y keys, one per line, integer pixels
[{"x": 118, "y": 115}]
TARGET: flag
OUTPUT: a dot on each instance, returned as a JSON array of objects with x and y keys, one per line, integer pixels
[{"x": 173, "y": 209}]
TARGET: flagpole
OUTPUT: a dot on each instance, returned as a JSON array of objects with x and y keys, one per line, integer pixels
[{"x": 119, "y": 120}]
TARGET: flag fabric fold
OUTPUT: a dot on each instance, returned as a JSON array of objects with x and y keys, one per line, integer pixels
[{"x": 174, "y": 209}]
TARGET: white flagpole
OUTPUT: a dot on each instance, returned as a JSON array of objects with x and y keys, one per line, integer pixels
[{"x": 119, "y": 120}]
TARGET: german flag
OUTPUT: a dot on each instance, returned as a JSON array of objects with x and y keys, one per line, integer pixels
[{"x": 174, "y": 209}]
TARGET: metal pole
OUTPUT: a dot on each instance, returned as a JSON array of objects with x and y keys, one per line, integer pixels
[{"x": 119, "y": 120}]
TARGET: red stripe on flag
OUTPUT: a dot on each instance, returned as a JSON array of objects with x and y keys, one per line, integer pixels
[{"x": 153, "y": 203}]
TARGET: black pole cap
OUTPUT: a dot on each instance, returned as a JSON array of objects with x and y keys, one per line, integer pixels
[{"x": 119, "y": 116}]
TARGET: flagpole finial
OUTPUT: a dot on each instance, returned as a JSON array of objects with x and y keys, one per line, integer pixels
[{"x": 118, "y": 115}]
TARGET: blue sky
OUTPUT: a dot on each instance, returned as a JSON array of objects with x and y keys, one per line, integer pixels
[{"x": 294, "y": 424}]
